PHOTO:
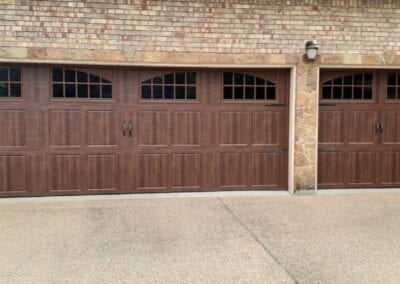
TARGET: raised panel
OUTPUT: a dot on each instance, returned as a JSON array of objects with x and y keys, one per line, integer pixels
[
  {"x": 331, "y": 168},
  {"x": 361, "y": 127},
  {"x": 391, "y": 133},
  {"x": 267, "y": 169},
  {"x": 65, "y": 173},
  {"x": 152, "y": 171},
  {"x": 13, "y": 174},
  {"x": 331, "y": 127},
  {"x": 65, "y": 128},
  {"x": 186, "y": 128},
  {"x": 101, "y": 172},
  {"x": 233, "y": 128},
  {"x": 152, "y": 127},
  {"x": 390, "y": 168},
  {"x": 101, "y": 127},
  {"x": 12, "y": 128},
  {"x": 266, "y": 127},
  {"x": 186, "y": 170},
  {"x": 362, "y": 168},
  {"x": 232, "y": 169}
]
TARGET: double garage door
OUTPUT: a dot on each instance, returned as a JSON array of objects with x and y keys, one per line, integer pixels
[
  {"x": 77, "y": 130},
  {"x": 359, "y": 129}
]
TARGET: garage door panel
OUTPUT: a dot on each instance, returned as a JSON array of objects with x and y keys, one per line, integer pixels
[
  {"x": 331, "y": 127},
  {"x": 361, "y": 127},
  {"x": 186, "y": 128},
  {"x": 101, "y": 128},
  {"x": 152, "y": 171},
  {"x": 102, "y": 172},
  {"x": 332, "y": 168},
  {"x": 233, "y": 169},
  {"x": 362, "y": 168},
  {"x": 65, "y": 128},
  {"x": 13, "y": 127},
  {"x": 266, "y": 128},
  {"x": 391, "y": 121},
  {"x": 390, "y": 168},
  {"x": 186, "y": 170},
  {"x": 65, "y": 173},
  {"x": 152, "y": 128},
  {"x": 13, "y": 174},
  {"x": 233, "y": 128},
  {"x": 267, "y": 169}
]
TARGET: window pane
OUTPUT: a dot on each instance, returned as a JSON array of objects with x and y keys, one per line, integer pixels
[
  {"x": 146, "y": 92},
  {"x": 239, "y": 80},
  {"x": 15, "y": 90},
  {"x": 358, "y": 79},
  {"x": 168, "y": 92},
  {"x": 147, "y": 81},
  {"x": 94, "y": 79},
  {"x": 249, "y": 93},
  {"x": 368, "y": 79},
  {"x": 82, "y": 77},
  {"x": 106, "y": 91},
  {"x": 337, "y": 92},
  {"x": 169, "y": 78},
  {"x": 228, "y": 93},
  {"x": 337, "y": 81},
  {"x": 70, "y": 91},
  {"x": 260, "y": 93},
  {"x": 3, "y": 74},
  {"x": 239, "y": 93},
  {"x": 391, "y": 93},
  {"x": 260, "y": 81},
  {"x": 271, "y": 93},
  {"x": 3, "y": 90},
  {"x": 180, "y": 78},
  {"x": 191, "y": 78},
  {"x": 327, "y": 92},
  {"x": 58, "y": 91},
  {"x": 15, "y": 74},
  {"x": 191, "y": 93},
  {"x": 105, "y": 81},
  {"x": 270, "y": 83},
  {"x": 392, "y": 79},
  {"x": 94, "y": 91},
  {"x": 157, "y": 80},
  {"x": 180, "y": 93},
  {"x": 228, "y": 78},
  {"x": 249, "y": 80},
  {"x": 367, "y": 93},
  {"x": 328, "y": 83},
  {"x": 347, "y": 93},
  {"x": 57, "y": 75},
  {"x": 348, "y": 80},
  {"x": 69, "y": 75},
  {"x": 157, "y": 92},
  {"x": 357, "y": 93},
  {"x": 82, "y": 91}
]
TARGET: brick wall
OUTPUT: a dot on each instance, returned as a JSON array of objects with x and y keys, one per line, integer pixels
[{"x": 206, "y": 26}]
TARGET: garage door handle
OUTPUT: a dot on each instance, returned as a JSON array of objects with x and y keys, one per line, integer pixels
[
  {"x": 275, "y": 150},
  {"x": 130, "y": 128},
  {"x": 124, "y": 128},
  {"x": 326, "y": 149}
]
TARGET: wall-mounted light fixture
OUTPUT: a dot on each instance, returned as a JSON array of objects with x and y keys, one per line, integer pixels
[{"x": 311, "y": 50}]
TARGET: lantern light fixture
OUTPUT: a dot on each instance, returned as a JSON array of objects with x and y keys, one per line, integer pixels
[{"x": 311, "y": 50}]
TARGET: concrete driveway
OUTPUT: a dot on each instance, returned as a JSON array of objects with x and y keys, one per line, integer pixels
[{"x": 263, "y": 239}]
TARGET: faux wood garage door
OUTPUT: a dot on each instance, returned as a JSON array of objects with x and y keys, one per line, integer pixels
[
  {"x": 359, "y": 129},
  {"x": 76, "y": 130}
]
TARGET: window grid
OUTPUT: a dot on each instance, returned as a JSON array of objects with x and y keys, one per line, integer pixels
[
  {"x": 349, "y": 87},
  {"x": 244, "y": 86},
  {"x": 10, "y": 82},
  {"x": 393, "y": 86},
  {"x": 70, "y": 84},
  {"x": 171, "y": 86}
]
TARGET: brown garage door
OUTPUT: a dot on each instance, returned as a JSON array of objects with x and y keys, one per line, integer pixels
[
  {"x": 359, "y": 129},
  {"x": 67, "y": 130}
]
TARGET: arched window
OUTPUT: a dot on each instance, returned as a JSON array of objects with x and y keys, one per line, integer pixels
[
  {"x": 349, "y": 87},
  {"x": 10, "y": 82},
  {"x": 176, "y": 85},
  {"x": 393, "y": 86},
  {"x": 69, "y": 83},
  {"x": 244, "y": 86}
]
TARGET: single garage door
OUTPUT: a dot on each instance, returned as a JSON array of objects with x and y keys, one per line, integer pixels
[
  {"x": 77, "y": 130},
  {"x": 359, "y": 129}
]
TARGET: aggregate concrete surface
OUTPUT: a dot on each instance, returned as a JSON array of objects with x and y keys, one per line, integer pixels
[{"x": 264, "y": 239}]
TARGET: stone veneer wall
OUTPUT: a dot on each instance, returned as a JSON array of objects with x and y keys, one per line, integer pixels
[{"x": 267, "y": 32}]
